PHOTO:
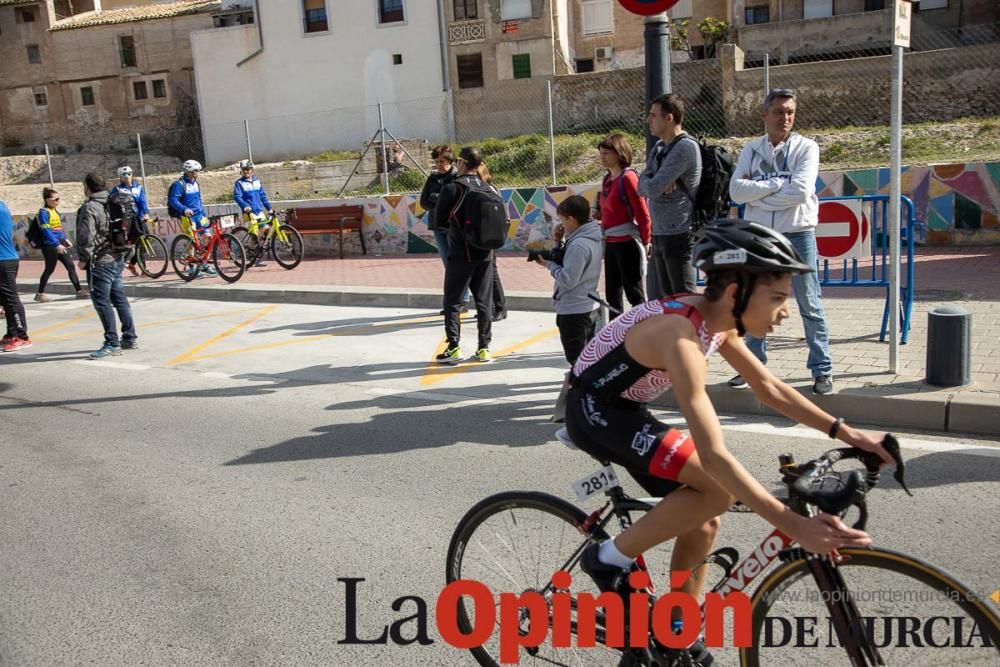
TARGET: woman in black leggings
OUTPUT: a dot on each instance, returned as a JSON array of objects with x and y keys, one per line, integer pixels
[
  {"x": 55, "y": 247},
  {"x": 16, "y": 337}
]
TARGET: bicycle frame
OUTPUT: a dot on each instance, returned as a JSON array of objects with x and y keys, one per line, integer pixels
[
  {"x": 274, "y": 221},
  {"x": 203, "y": 253}
]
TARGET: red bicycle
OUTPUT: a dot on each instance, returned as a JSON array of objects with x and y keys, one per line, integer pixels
[{"x": 190, "y": 254}]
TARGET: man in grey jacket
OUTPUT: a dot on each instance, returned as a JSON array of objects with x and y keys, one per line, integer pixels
[
  {"x": 104, "y": 267},
  {"x": 670, "y": 182}
]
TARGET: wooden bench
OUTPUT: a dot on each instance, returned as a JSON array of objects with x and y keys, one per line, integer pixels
[{"x": 329, "y": 220}]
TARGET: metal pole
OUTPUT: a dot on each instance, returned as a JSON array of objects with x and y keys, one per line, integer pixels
[
  {"x": 767, "y": 73},
  {"x": 552, "y": 135},
  {"x": 48, "y": 161},
  {"x": 385, "y": 155},
  {"x": 142, "y": 163},
  {"x": 406, "y": 152},
  {"x": 246, "y": 129},
  {"x": 895, "y": 161},
  {"x": 657, "y": 44}
]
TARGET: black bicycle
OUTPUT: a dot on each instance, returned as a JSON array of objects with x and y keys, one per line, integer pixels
[{"x": 876, "y": 606}]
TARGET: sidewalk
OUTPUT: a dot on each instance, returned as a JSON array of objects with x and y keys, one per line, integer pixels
[{"x": 865, "y": 390}]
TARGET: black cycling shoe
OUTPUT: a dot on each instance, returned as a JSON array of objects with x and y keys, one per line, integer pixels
[
  {"x": 609, "y": 578},
  {"x": 695, "y": 655}
]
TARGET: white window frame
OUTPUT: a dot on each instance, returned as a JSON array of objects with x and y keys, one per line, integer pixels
[
  {"x": 302, "y": 20},
  {"x": 598, "y": 28},
  {"x": 378, "y": 15},
  {"x": 932, "y": 4},
  {"x": 817, "y": 9},
  {"x": 40, "y": 90},
  {"x": 682, "y": 10},
  {"x": 513, "y": 10}
]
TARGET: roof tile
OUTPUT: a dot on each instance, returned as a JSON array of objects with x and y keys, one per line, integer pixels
[{"x": 130, "y": 14}]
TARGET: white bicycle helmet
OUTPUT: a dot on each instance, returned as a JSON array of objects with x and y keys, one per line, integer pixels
[
  {"x": 191, "y": 165},
  {"x": 124, "y": 171},
  {"x": 246, "y": 164}
]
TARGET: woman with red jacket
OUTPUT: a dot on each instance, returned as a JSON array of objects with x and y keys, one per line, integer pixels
[{"x": 625, "y": 221}]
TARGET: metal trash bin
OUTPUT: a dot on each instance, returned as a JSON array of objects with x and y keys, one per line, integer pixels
[{"x": 949, "y": 344}]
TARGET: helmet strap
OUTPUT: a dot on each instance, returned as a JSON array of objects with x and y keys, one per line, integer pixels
[{"x": 743, "y": 293}]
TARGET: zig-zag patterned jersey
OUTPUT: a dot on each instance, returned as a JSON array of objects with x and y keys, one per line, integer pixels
[{"x": 605, "y": 364}]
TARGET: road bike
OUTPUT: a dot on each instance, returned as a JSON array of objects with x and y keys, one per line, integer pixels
[
  {"x": 282, "y": 241},
  {"x": 861, "y": 606},
  {"x": 189, "y": 254},
  {"x": 150, "y": 252}
]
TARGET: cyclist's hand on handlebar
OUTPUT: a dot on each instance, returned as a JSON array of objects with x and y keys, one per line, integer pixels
[
  {"x": 824, "y": 533},
  {"x": 869, "y": 442},
  {"x": 188, "y": 213},
  {"x": 246, "y": 209}
]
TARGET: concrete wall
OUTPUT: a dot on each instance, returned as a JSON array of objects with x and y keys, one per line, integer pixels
[
  {"x": 843, "y": 34},
  {"x": 336, "y": 73}
]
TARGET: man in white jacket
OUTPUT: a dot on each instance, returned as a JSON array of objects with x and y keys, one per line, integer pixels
[{"x": 775, "y": 178}]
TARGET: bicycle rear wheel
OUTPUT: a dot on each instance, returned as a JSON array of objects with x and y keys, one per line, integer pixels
[
  {"x": 514, "y": 542},
  {"x": 182, "y": 257},
  {"x": 151, "y": 255},
  {"x": 251, "y": 244},
  {"x": 230, "y": 258},
  {"x": 290, "y": 251},
  {"x": 911, "y": 613}
]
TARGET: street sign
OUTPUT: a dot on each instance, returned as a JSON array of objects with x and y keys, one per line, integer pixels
[
  {"x": 901, "y": 23},
  {"x": 843, "y": 231},
  {"x": 647, "y": 7}
]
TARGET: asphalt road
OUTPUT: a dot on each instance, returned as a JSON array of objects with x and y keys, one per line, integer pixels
[{"x": 198, "y": 501}]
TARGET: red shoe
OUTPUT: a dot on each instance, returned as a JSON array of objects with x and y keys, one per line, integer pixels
[{"x": 17, "y": 344}]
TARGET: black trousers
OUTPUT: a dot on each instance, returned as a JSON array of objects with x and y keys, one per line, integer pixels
[
  {"x": 499, "y": 300},
  {"x": 672, "y": 261},
  {"x": 52, "y": 256},
  {"x": 575, "y": 331},
  {"x": 477, "y": 275},
  {"x": 623, "y": 271},
  {"x": 17, "y": 324}
]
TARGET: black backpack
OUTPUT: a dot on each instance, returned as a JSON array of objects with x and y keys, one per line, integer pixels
[
  {"x": 712, "y": 199},
  {"x": 122, "y": 213},
  {"x": 34, "y": 235},
  {"x": 485, "y": 225}
]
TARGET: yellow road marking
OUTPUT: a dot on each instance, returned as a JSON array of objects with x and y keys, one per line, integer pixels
[
  {"x": 141, "y": 325},
  {"x": 436, "y": 373},
  {"x": 36, "y": 333},
  {"x": 193, "y": 352},
  {"x": 996, "y": 596}
]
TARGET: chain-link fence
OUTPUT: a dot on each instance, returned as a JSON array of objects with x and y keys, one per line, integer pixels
[{"x": 537, "y": 130}]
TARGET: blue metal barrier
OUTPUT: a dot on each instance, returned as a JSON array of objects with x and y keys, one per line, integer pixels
[{"x": 850, "y": 274}]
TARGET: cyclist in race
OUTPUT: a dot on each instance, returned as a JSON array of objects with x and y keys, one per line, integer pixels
[
  {"x": 249, "y": 194},
  {"x": 184, "y": 203},
  {"x": 664, "y": 343},
  {"x": 139, "y": 224}
]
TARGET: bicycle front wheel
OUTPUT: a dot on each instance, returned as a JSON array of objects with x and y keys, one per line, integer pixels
[
  {"x": 182, "y": 257},
  {"x": 151, "y": 255},
  {"x": 287, "y": 247},
  {"x": 251, "y": 244},
  {"x": 907, "y": 612},
  {"x": 230, "y": 258},
  {"x": 513, "y": 543}
]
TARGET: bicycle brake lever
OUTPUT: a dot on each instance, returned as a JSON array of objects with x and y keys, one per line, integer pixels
[
  {"x": 892, "y": 446},
  {"x": 863, "y": 516}
]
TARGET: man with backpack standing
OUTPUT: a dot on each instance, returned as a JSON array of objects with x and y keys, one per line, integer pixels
[
  {"x": 476, "y": 218},
  {"x": 103, "y": 245},
  {"x": 776, "y": 178},
  {"x": 670, "y": 182}
]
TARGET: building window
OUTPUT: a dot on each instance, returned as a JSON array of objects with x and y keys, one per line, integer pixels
[
  {"x": 390, "y": 11},
  {"x": 41, "y": 97},
  {"x": 34, "y": 54},
  {"x": 874, "y": 5},
  {"x": 932, "y": 4},
  {"x": 597, "y": 16},
  {"x": 522, "y": 66},
  {"x": 25, "y": 15},
  {"x": 817, "y": 9},
  {"x": 466, "y": 9},
  {"x": 470, "y": 71},
  {"x": 682, "y": 10},
  {"x": 586, "y": 65},
  {"x": 159, "y": 88},
  {"x": 87, "y": 96},
  {"x": 139, "y": 90},
  {"x": 757, "y": 15},
  {"x": 126, "y": 47},
  {"x": 397, "y": 59},
  {"x": 315, "y": 15},
  {"x": 515, "y": 9}
]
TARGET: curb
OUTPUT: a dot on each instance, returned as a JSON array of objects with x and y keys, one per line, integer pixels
[{"x": 897, "y": 403}]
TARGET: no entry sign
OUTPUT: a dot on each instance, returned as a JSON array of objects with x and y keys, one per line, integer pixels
[
  {"x": 648, "y": 7},
  {"x": 843, "y": 231}
]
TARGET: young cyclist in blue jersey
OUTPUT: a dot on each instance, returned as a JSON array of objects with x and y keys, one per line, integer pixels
[
  {"x": 249, "y": 194},
  {"x": 127, "y": 184},
  {"x": 664, "y": 343},
  {"x": 184, "y": 203}
]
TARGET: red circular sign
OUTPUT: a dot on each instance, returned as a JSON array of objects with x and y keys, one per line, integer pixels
[
  {"x": 839, "y": 229},
  {"x": 648, "y": 7}
]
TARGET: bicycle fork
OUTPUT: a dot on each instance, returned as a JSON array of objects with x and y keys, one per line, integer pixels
[{"x": 844, "y": 614}]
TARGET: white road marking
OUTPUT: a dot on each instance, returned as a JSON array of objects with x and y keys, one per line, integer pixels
[{"x": 111, "y": 364}]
